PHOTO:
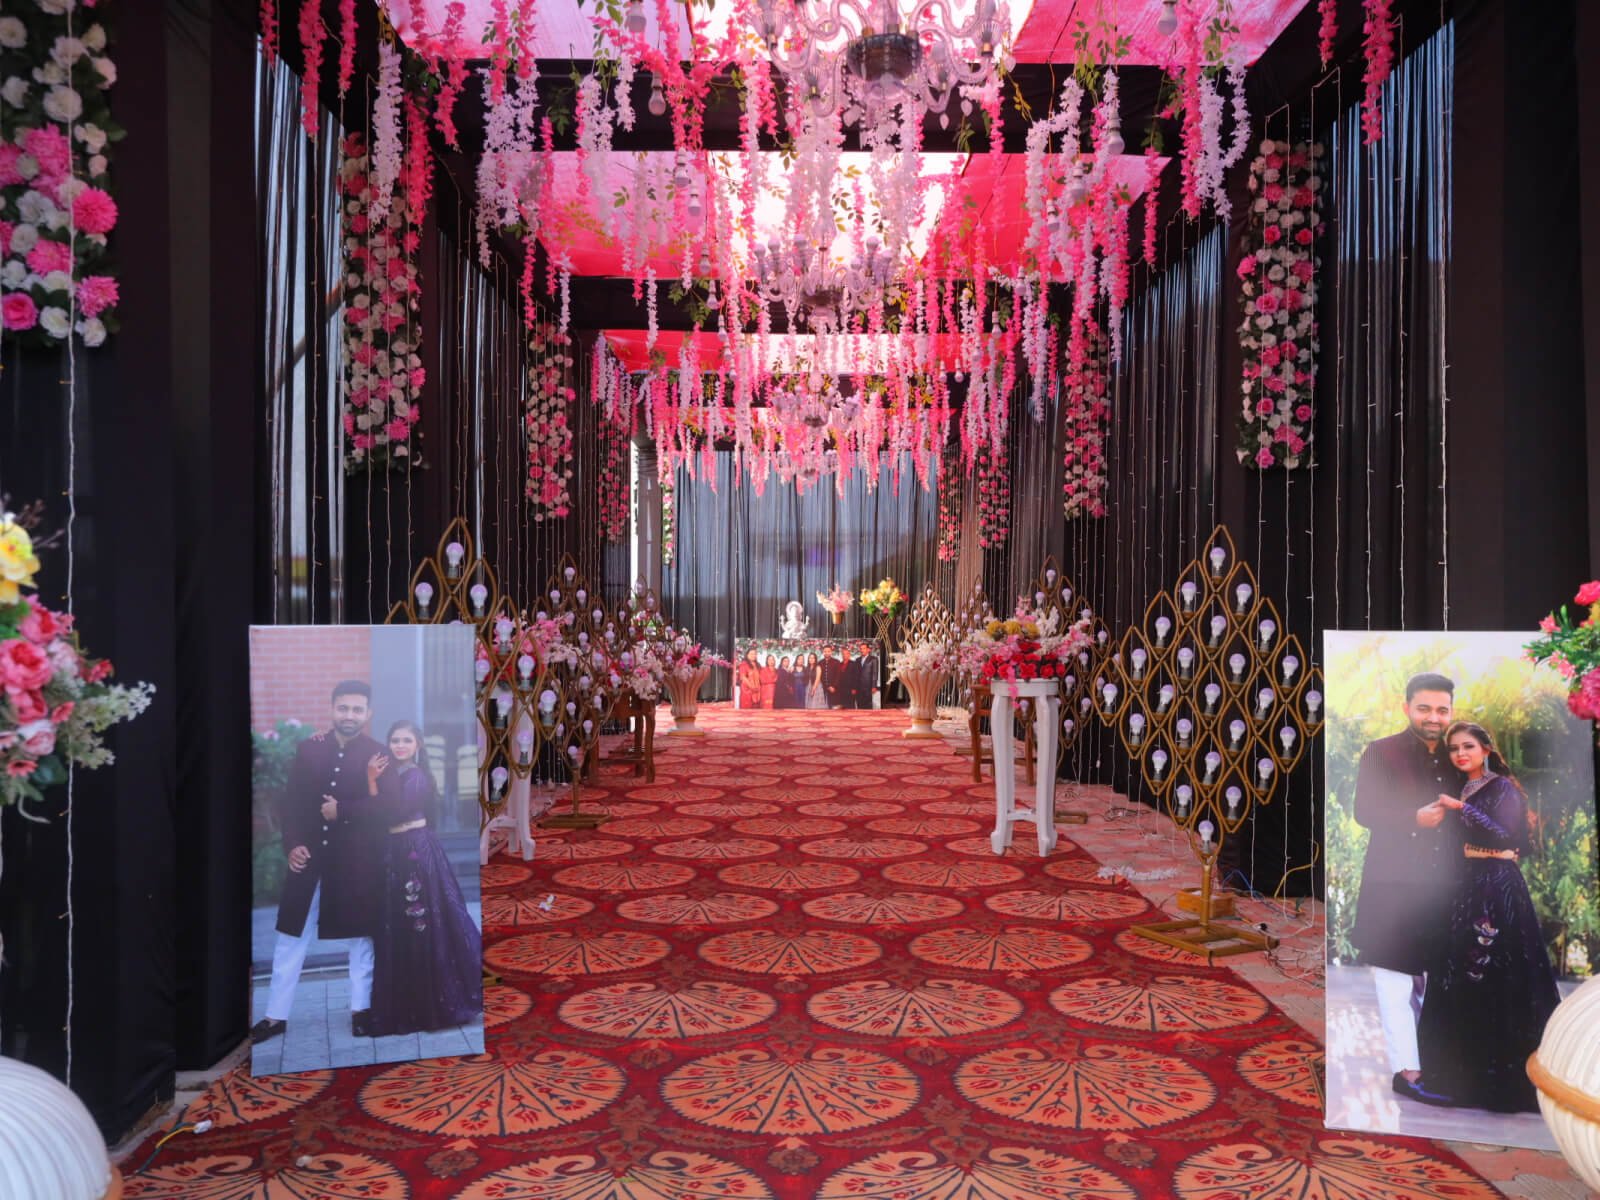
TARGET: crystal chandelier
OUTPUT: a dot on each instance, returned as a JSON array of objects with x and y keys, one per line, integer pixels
[
  {"x": 872, "y": 56},
  {"x": 817, "y": 289}
]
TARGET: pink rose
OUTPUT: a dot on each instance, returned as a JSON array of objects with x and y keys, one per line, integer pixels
[
  {"x": 63, "y": 713},
  {"x": 19, "y": 767},
  {"x": 358, "y": 223},
  {"x": 1303, "y": 413},
  {"x": 1589, "y": 593},
  {"x": 1267, "y": 302},
  {"x": 47, "y": 256},
  {"x": 1264, "y": 408},
  {"x": 1548, "y": 624},
  {"x": 9, "y": 177},
  {"x": 38, "y": 738},
  {"x": 96, "y": 293},
  {"x": 27, "y": 705},
  {"x": 18, "y": 311},
  {"x": 1303, "y": 237},
  {"x": 98, "y": 670},
  {"x": 1264, "y": 457},
  {"x": 94, "y": 211},
  {"x": 23, "y": 665},
  {"x": 1272, "y": 235},
  {"x": 40, "y": 625}
]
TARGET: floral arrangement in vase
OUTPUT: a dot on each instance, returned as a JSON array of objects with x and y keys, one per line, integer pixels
[
  {"x": 1570, "y": 642},
  {"x": 641, "y": 670},
  {"x": 685, "y": 656},
  {"x": 1278, "y": 285},
  {"x": 1023, "y": 647},
  {"x": 55, "y": 703},
  {"x": 56, "y": 211},
  {"x": 885, "y": 600},
  {"x": 923, "y": 657},
  {"x": 837, "y": 601}
]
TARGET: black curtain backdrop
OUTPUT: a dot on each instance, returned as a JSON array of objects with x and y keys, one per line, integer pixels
[{"x": 741, "y": 557}]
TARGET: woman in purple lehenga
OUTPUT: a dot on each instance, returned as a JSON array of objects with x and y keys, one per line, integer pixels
[
  {"x": 1492, "y": 988},
  {"x": 427, "y": 951}
]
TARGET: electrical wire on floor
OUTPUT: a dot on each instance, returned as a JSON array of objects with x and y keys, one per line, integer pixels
[{"x": 180, "y": 1128}]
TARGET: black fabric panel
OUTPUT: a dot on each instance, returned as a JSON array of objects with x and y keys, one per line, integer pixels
[{"x": 1587, "y": 141}]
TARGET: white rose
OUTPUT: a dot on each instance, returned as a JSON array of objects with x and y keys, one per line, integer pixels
[
  {"x": 13, "y": 274},
  {"x": 57, "y": 281},
  {"x": 50, "y": 74},
  {"x": 92, "y": 137},
  {"x": 107, "y": 70},
  {"x": 56, "y": 7},
  {"x": 35, "y": 208},
  {"x": 95, "y": 38},
  {"x": 93, "y": 331},
  {"x": 54, "y": 321},
  {"x": 67, "y": 51},
  {"x": 68, "y": 191},
  {"x": 27, "y": 166},
  {"x": 13, "y": 33},
  {"x": 24, "y": 238},
  {"x": 63, "y": 104},
  {"x": 15, "y": 91},
  {"x": 97, "y": 165}
]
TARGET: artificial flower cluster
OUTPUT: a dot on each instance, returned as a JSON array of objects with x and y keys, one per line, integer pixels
[
  {"x": 884, "y": 600},
  {"x": 926, "y": 657},
  {"x": 994, "y": 496},
  {"x": 1085, "y": 416},
  {"x": 669, "y": 521},
  {"x": 1278, "y": 285},
  {"x": 550, "y": 392},
  {"x": 683, "y": 656},
  {"x": 641, "y": 670},
  {"x": 614, "y": 484},
  {"x": 383, "y": 372},
  {"x": 949, "y": 548},
  {"x": 1025, "y": 646},
  {"x": 1570, "y": 642},
  {"x": 56, "y": 212},
  {"x": 55, "y": 703},
  {"x": 837, "y": 601}
]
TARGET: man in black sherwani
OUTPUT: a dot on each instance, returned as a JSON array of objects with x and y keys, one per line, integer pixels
[
  {"x": 849, "y": 679},
  {"x": 334, "y": 839},
  {"x": 831, "y": 670},
  {"x": 1407, "y": 878},
  {"x": 867, "y": 675}
]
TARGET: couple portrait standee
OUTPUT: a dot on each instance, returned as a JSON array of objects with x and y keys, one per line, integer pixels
[
  {"x": 810, "y": 674},
  {"x": 364, "y": 867},
  {"x": 1444, "y": 919}
]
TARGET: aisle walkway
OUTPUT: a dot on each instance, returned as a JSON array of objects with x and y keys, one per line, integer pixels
[{"x": 793, "y": 968}]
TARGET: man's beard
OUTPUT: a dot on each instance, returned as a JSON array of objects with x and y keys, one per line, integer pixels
[{"x": 347, "y": 728}]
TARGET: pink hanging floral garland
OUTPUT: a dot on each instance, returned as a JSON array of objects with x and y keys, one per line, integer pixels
[
  {"x": 1378, "y": 30},
  {"x": 949, "y": 548},
  {"x": 1278, "y": 283},
  {"x": 549, "y": 427},
  {"x": 55, "y": 210},
  {"x": 1087, "y": 412},
  {"x": 383, "y": 373},
  {"x": 994, "y": 496},
  {"x": 614, "y": 483},
  {"x": 669, "y": 522}
]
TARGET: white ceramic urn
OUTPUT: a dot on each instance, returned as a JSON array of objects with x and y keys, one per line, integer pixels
[
  {"x": 1566, "y": 1070},
  {"x": 49, "y": 1144}
]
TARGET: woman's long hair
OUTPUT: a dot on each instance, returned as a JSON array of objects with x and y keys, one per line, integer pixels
[
  {"x": 430, "y": 806},
  {"x": 1493, "y": 760}
]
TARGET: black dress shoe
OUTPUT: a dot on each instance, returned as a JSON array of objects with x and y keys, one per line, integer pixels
[
  {"x": 358, "y": 1023},
  {"x": 265, "y": 1030},
  {"x": 1417, "y": 1090}
]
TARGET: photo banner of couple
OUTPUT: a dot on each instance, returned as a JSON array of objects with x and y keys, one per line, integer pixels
[
  {"x": 807, "y": 673},
  {"x": 366, "y": 935},
  {"x": 1461, "y": 880}
]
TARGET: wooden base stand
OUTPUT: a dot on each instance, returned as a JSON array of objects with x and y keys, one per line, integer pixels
[
  {"x": 1221, "y": 903},
  {"x": 1065, "y": 816},
  {"x": 1198, "y": 935},
  {"x": 574, "y": 819}
]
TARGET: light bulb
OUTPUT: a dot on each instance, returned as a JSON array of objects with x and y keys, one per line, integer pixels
[
  {"x": 588, "y": 728},
  {"x": 1206, "y": 830},
  {"x": 571, "y": 573},
  {"x": 1268, "y": 628},
  {"x": 1163, "y": 627},
  {"x": 1084, "y": 706},
  {"x": 479, "y": 595},
  {"x": 1050, "y": 575},
  {"x": 1136, "y": 724},
  {"x": 1185, "y": 794},
  {"x": 1038, "y": 599},
  {"x": 1068, "y": 726},
  {"x": 1138, "y": 657},
  {"x": 1110, "y": 695},
  {"x": 547, "y": 700},
  {"x": 1213, "y": 693},
  {"x": 525, "y": 745},
  {"x": 1234, "y": 797},
  {"x": 1290, "y": 665},
  {"x": 1185, "y": 658},
  {"x": 572, "y": 708},
  {"x": 1236, "y": 664},
  {"x": 1287, "y": 735},
  {"x": 424, "y": 596},
  {"x": 1213, "y": 763},
  {"x": 1158, "y": 760},
  {"x": 499, "y": 776},
  {"x": 1264, "y": 769},
  {"x": 1166, "y": 695},
  {"x": 1235, "y": 732},
  {"x": 1218, "y": 556},
  {"x": 481, "y": 669},
  {"x": 1219, "y": 625},
  {"x": 581, "y": 596},
  {"x": 1242, "y": 594},
  {"x": 573, "y": 752},
  {"x": 555, "y": 597},
  {"x": 1185, "y": 728},
  {"x": 1313, "y": 702},
  {"x": 1101, "y": 637},
  {"x": 1066, "y": 595},
  {"x": 1166, "y": 26},
  {"x": 453, "y": 554},
  {"x": 1187, "y": 590},
  {"x": 1264, "y": 699},
  {"x": 503, "y": 630},
  {"x": 525, "y": 665}
]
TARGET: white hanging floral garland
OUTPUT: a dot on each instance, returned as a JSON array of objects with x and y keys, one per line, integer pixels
[
  {"x": 1278, "y": 284},
  {"x": 56, "y": 209},
  {"x": 549, "y": 486}
]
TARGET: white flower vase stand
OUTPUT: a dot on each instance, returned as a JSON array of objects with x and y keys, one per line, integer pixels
[
  {"x": 49, "y": 1145},
  {"x": 1566, "y": 1071},
  {"x": 1046, "y": 696},
  {"x": 685, "y": 695},
  {"x": 923, "y": 689}
]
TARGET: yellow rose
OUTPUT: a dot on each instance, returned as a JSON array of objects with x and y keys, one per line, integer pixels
[{"x": 993, "y": 629}]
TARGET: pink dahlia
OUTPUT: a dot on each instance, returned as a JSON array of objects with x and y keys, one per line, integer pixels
[
  {"x": 96, "y": 293},
  {"x": 49, "y": 146},
  {"x": 94, "y": 211},
  {"x": 9, "y": 154},
  {"x": 47, "y": 256}
]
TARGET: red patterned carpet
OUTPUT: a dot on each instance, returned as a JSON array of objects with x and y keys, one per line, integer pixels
[{"x": 791, "y": 967}]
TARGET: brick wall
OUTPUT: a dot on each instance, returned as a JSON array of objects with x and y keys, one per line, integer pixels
[{"x": 293, "y": 670}]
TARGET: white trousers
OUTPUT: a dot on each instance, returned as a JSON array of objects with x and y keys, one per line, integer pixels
[
  {"x": 289, "y": 957},
  {"x": 1395, "y": 990}
]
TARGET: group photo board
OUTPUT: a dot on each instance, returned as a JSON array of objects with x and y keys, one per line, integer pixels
[
  {"x": 366, "y": 923},
  {"x": 1461, "y": 880},
  {"x": 807, "y": 673}
]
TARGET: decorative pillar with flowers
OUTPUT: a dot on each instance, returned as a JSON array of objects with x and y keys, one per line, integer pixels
[
  {"x": 56, "y": 211},
  {"x": 923, "y": 670},
  {"x": 689, "y": 666}
]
